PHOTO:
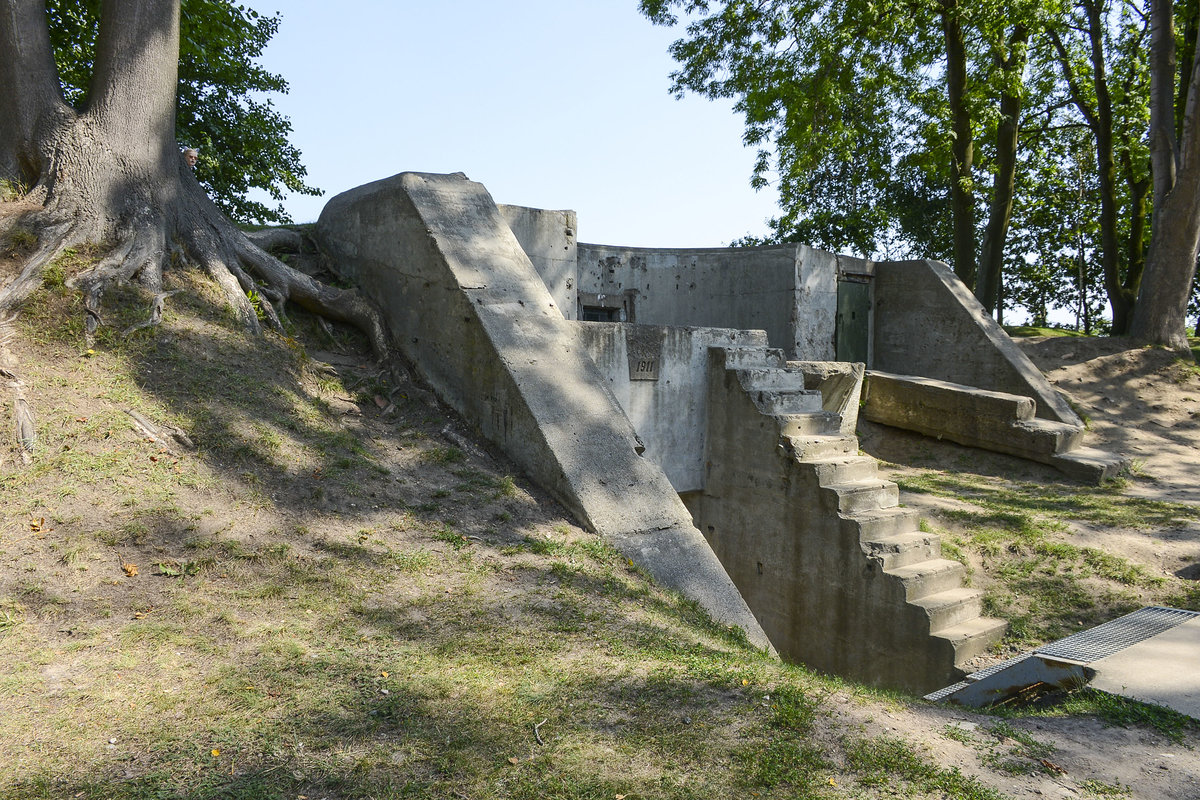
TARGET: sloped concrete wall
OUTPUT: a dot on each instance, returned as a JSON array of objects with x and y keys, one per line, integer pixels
[
  {"x": 928, "y": 324},
  {"x": 466, "y": 306},
  {"x": 668, "y": 407}
]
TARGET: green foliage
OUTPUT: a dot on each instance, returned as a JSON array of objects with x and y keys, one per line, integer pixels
[
  {"x": 848, "y": 105},
  {"x": 220, "y": 110}
]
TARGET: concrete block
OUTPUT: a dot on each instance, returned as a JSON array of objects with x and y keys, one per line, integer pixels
[{"x": 951, "y": 607}]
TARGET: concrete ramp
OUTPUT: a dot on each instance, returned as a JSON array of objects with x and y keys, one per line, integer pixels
[{"x": 467, "y": 308}]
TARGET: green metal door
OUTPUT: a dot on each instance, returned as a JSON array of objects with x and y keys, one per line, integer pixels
[{"x": 853, "y": 320}]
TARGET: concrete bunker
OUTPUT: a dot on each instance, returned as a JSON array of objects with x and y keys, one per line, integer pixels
[{"x": 697, "y": 407}]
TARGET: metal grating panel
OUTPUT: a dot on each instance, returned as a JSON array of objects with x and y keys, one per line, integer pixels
[
  {"x": 1113, "y": 637},
  {"x": 942, "y": 694}
]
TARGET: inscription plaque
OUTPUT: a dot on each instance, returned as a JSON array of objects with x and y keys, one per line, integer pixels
[{"x": 644, "y": 347}]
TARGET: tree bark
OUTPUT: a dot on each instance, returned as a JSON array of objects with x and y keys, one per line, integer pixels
[
  {"x": 1161, "y": 314},
  {"x": 962, "y": 146},
  {"x": 30, "y": 100},
  {"x": 1163, "y": 155},
  {"x": 113, "y": 172},
  {"x": 991, "y": 258}
]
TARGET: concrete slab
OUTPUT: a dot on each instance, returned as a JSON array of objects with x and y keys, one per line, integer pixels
[{"x": 1163, "y": 670}]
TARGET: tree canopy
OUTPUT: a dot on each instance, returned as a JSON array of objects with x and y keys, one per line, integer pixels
[
  {"x": 220, "y": 107},
  {"x": 1009, "y": 139}
]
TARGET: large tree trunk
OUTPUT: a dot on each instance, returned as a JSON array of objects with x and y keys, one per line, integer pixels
[
  {"x": 1161, "y": 314},
  {"x": 113, "y": 172},
  {"x": 962, "y": 148}
]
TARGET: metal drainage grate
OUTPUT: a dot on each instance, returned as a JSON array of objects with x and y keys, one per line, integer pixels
[
  {"x": 974, "y": 677},
  {"x": 1113, "y": 637}
]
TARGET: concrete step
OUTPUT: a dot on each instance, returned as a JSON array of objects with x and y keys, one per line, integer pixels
[
  {"x": 1046, "y": 437},
  {"x": 822, "y": 423},
  {"x": 929, "y": 577},
  {"x": 904, "y": 549},
  {"x": 951, "y": 607},
  {"x": 1091, "y": 464},
  {"x": 813, "y": 446},
  {"x": 778, "y": 402},
  {"x": 844, "y": 468},
  {"x": 754, "y": 357},
  {"x": 973, "y": 637},
  {"x": 850, "y": 497},
  {"x": 770, "y": 379}
]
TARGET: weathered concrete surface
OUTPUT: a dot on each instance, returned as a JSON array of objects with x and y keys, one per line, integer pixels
[
  {"x": 667, "y": 401},
  {"x": 468, "y": 309},
  {"x": 837, "y": 573},
  {"x": 548, "y": 238},
  {"x": 721, "y": 287},
  {"x": 928, "y": 324},
  {"x": 1163, "y": 670},
  {"x": 840, "y": 384},
  {"x": 996, "y": 421}
]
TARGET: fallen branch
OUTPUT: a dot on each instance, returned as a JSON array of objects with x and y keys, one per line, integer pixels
[
  {"x": 537, "y": 735},
  {"x": 152, "y": 432}
]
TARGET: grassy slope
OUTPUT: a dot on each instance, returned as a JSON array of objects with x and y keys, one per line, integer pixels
[{"x": 329, "y": 597}]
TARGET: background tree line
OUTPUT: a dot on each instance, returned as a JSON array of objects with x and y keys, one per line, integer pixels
[{"x": 1042, "y": 149}]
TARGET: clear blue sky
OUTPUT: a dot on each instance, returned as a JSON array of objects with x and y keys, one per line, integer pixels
[{"x": 559, "y": 104}]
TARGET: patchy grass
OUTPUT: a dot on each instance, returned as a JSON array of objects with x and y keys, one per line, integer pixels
[
  {"x": 1118, "y": 711},
  {"x": 325, "y": 598},
  {"x": 1016, "y": 540},
  {"x": 1030, "y": 330}
]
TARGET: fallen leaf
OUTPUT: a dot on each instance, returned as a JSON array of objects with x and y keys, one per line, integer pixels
[
  {"x": 81, "y": 419},
  {"x": 130, "y": 569},
  {"x": 154, "y": 458},
  {"x": 384, "y": 673},
  {"x": 514, "y": 760},
  {"x": 37, "y": 525}
]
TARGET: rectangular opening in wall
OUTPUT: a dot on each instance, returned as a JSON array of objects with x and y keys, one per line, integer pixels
[
  {"x": 595, "y": 307},
  {"x": 601, "y": 314}
]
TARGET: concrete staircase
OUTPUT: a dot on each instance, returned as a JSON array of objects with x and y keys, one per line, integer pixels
[
  {"x": 901, "y": 615},
  {"x": 869, "y": 509}
]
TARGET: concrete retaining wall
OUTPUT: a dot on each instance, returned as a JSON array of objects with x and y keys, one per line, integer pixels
[
  {"x": 659, "y": 375},
  {"x": 928, "y": 324}
]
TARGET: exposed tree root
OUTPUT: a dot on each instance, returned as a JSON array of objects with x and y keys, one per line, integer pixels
[
  {"x": 156, "y": 312},
  {"x": 54, "y": 239},
  {"x": 144, "y": 243},
  {"x": 25, "y": 426}
]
